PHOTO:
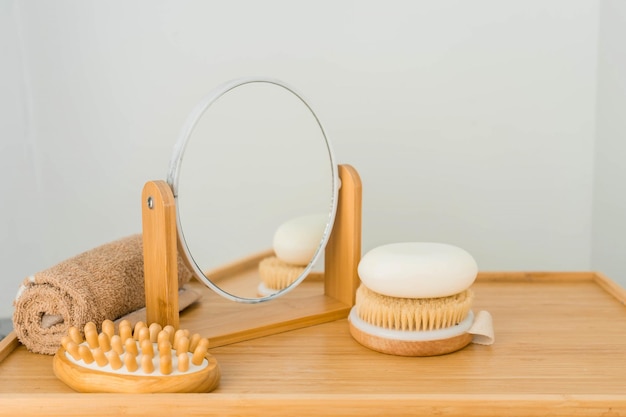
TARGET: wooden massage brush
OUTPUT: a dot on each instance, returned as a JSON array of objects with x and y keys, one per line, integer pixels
[{"x": 140, "y": 359}]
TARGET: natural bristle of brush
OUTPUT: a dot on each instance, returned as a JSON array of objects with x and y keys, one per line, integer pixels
[
  {"x": 277, "y": 274},
  {"x": 412, "y": 314},
  {"x": 142, "y": 349}
]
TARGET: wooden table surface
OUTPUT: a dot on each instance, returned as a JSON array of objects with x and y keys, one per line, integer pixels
[{"x": 560, "y": 350}]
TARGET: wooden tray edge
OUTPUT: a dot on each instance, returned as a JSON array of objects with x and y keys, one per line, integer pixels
[
  {"x": 8, "y": 345},
  {"x": 604, "y": 282},
  {"x": 75, "y": 404},
  {"x": 611, "y": 287},
  {"x": 535, "y": 276}
]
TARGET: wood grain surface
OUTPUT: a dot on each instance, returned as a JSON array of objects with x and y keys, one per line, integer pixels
[{"x": 560, "y": 350}]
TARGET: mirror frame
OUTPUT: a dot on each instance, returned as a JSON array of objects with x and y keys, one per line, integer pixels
[{"x": 173, "y": 178}]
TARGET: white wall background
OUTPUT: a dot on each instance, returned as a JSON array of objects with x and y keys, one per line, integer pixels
[
  {"x": 472, "y": 123},
  {"x": 609, "y": 213}
]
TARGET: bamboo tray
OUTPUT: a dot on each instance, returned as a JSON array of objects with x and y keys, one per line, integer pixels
[{"x": 560, "y": 350}]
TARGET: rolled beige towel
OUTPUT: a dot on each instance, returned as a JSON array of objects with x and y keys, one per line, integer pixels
[{"x": 103, "y": 283}]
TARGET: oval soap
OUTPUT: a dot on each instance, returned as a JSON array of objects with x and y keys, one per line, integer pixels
[
  {"x": 417, "y": 270},
  {"x": 296, "y": 240}
]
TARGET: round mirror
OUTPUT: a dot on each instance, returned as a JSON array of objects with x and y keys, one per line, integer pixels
[{"x": 257, "y": 191}]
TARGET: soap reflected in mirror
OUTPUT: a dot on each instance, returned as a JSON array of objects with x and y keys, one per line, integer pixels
[
  {"x": 294, "y": 245},
  {"x": 254, "y": 179}
]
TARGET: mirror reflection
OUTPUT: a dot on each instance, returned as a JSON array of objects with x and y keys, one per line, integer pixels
[{"x": 256, "y": 188}]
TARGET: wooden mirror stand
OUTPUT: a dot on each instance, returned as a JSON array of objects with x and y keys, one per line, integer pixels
[{"x": 226, "y": 324}]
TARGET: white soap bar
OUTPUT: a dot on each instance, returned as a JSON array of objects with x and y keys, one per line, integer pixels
[
  {"x": 296, "y": 240},
  {"x": 417, "y": 270}
]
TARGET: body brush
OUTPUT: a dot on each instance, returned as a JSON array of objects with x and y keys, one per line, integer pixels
[{"x": 414, "y": 299}]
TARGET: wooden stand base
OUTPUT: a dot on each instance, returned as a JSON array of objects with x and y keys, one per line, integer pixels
[{"x": 408, "y": 348}]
